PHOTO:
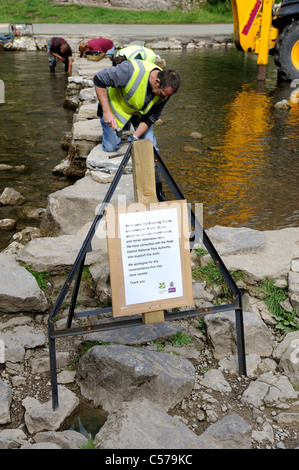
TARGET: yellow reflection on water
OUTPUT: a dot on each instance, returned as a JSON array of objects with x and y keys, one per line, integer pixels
[{"x": 243, "y": 151}]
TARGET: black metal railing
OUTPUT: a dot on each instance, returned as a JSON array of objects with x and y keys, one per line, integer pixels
[{"x": 130, "y": 321}]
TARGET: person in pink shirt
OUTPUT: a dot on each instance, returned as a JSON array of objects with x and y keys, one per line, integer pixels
[{"x": 97, "y": 45}]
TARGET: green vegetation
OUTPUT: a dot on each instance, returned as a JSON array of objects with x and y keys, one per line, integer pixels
[
  {"x": 43, "y": 278},
  {"x": 201, "y": 326},
  {"x": 212, "y": 276},
  {"x": 178, "y": 340},
  {"x": 86, "y": 275},
  {"x": 274, "y": 297},
  {"x": 43, "y": 11},
  {"x": 90, "y": 444},
  {"x": 201, "y": 252}
]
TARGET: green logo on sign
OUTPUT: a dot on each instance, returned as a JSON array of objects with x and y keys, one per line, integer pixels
[{"x": 162, "y": 285}]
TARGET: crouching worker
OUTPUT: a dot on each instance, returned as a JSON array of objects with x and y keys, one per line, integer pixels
[
  {"x": 138, "y": 53},
  {"x": 134, "y": 92},
  {"x": 59, "y": 49},
  {"x": 97, "y": 45}
]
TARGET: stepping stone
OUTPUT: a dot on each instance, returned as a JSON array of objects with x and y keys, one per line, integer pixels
[{"x": 139, "y": 334}]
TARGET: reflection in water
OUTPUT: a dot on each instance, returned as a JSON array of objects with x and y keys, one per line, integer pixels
[
  {"x": 87, "y": 420},
  {"x": 32, "y": 123},
  {"x": 248, "y": 120},
  {"x": 244, "y": 171}
]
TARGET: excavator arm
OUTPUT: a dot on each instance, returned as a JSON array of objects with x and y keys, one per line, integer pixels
[{"x": 253, "y": 30}]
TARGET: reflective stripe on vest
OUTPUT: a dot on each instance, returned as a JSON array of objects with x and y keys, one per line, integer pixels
[
  {"x": 125, "y": 102},
  {"x": 131, "y": 52}
]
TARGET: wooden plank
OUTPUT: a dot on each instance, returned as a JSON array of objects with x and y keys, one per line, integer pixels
[
  {"x": 117, "y": 276},
  {"x": 152, "y": 317},
  {"x": 144, "y": 181},
  {"x": 144, "y": 172}
]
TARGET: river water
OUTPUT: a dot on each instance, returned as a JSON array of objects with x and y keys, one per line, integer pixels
[{"x": 244, "y": 170}]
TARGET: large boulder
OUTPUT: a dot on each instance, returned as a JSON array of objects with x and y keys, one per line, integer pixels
[
  {"x": 23, "y": 43},
  {"x": 142, "y": 424},
  {"x": 19, "y": 291},
  {"x": 231, "y": 432},
  {"x": 258, "y": 255},
  {"x": 221, "y": 330},
  {"x": 12, "y": 438},
  {"x": 86, "y": 134},
  {"x": 5, "y": 402},
  {"x": 17, "y": 341},
  {"x": 55, "y": 254},
  {"x": 65, "y": 439},
  {"x": 69, "y": 209},
  {"x": 109, "y": 375},
  {"x": 269, "y": 390},
  {"x": 136, "y": 335},
  {"x": 41, "y": 417},
  {"x": 109, "y": 162},
  {"x": 288, "y": 354}
]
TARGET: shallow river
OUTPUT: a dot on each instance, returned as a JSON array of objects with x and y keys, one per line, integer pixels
[
  {"x": 32, "y": 123},
  {"x": 244, "y": 171}
]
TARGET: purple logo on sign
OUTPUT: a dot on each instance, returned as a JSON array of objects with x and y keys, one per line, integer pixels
[{"x": 171, "y": 289}]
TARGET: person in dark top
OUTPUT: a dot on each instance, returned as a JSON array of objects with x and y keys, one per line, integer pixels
[{"x": 59, "y": 49}]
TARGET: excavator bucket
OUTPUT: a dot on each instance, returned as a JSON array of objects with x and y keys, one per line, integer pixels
[{"x": 247, "y": 22}]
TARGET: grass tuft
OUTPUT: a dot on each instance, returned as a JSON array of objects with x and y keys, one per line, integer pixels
[
  {"x": 274, "y": 296},
  {"x": 212, "y": 276}
]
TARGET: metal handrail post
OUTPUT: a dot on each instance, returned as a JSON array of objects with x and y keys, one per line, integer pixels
[
  {"x": 217, "y": 260},
  {"x": 127, "y": 322},
  {"x": 78, "y": 265},
  {"x": 75, "y": 293}
]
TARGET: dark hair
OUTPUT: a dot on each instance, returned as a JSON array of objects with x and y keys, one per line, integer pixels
[
  {"x": 169, "y": 78},
  {"x": 118, "y": 59}
]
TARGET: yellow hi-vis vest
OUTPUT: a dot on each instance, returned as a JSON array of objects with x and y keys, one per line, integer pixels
[
  {"x": 131, "y": 52},
  {"x": 125, "y": 102}
]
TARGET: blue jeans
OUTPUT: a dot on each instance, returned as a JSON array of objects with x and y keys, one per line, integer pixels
[
  {"x": 110, "y": 141},
  {"x": 110, "y": 53}
]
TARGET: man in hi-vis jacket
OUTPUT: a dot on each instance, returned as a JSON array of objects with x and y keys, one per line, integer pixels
[{"x": 133, "y": 92}]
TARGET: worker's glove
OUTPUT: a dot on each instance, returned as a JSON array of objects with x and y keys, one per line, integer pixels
[{"x": 132, "y": 138}]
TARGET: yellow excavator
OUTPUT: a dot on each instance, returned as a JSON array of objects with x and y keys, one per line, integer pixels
[{"x": 267, "y": 28}]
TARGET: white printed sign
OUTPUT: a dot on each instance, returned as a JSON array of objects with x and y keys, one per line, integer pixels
[{"x": 151, "y": 255}]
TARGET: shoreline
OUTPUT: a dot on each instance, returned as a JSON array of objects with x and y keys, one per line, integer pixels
[{"x": 131, "y": 30}]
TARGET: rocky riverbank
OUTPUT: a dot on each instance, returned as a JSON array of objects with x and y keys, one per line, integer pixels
[
  {"x": 181, "y": 384},
  {"x": 184, "y": 374}
]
